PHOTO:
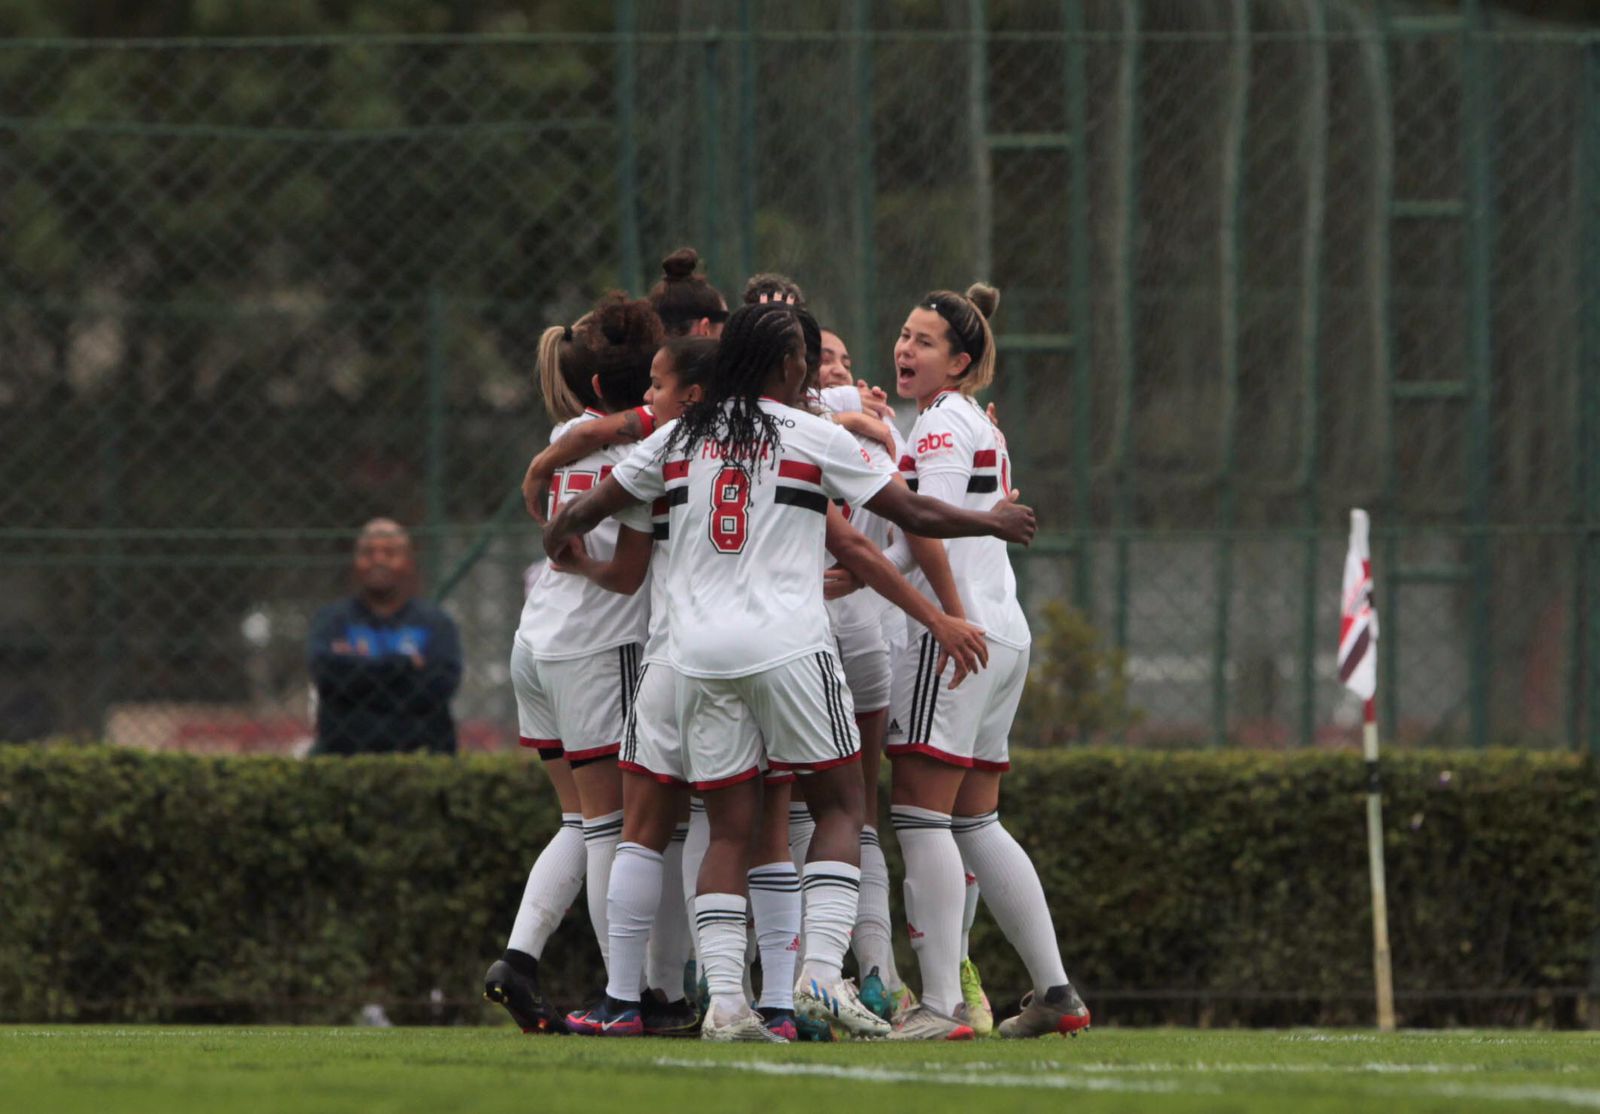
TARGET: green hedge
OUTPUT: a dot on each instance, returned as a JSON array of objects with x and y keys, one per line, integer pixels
[{"x": 1212, "y": 887}]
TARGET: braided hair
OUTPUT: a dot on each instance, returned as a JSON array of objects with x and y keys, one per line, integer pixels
[{"x": 755, "y": 343}]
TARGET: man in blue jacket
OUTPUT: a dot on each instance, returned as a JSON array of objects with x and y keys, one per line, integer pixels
[{"x": 384, "y": 663}]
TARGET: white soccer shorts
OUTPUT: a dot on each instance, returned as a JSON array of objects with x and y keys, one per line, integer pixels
[
  {"x": 969, "y": 726},
  {"x": 802, "y": 709},
  {"x": 864, "y": 654},
  {"x": 650, "y": 739},
  {"x": 575, "y": 708}
]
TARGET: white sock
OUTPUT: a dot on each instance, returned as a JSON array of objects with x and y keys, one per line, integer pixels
[
  {"x": 553, "y": 885},
  {"x": 775, "y": 901},
  {"x": 670, "y": 938},
  {"x": 969, "y": 910},
  {"x": 600, "y": 836},
  {"x": 832, "y": 895},
  {"x": 693, "y": 855},
  {"x": 1013, "y": 894},
  {"x": 719, "y": 922},
  {"x": 934, "y": 891},
  {"x": 801, "y": 829},
  {"x": 632, "y": 899},
  {"x": 873, "y": 945}
]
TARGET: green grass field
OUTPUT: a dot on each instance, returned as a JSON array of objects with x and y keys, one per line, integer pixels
[{"x": 100, "y": 1070}]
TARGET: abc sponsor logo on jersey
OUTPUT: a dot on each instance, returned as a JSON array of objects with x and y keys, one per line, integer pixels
[{"x": 935, "y": 442}]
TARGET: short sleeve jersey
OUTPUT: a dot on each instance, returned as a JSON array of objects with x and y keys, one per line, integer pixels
[
  {"x": 565, "y": 615},
  {"x": 955, "y": 445},
  {"x": 744, "y": 573},
  {"x": 653, "y": 518}
]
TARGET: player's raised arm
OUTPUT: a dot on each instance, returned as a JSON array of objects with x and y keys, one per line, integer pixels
[
  {"x": 582, "y": 440},
  {"x": 957, "y": 638},
  {"x": 580, "y": 515},
  {"x": 933, "y": 518}
]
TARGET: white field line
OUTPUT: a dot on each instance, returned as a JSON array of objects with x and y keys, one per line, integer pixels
[
  {"x": 1584, "y": 1098},
  {"x": 941, "y": 1076}
]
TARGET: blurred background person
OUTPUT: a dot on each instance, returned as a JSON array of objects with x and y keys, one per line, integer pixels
[{"x": 384, "y": 663}]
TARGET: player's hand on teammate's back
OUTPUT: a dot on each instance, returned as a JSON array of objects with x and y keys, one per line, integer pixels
[
  {"x": 573, "y": 558},
  {"x": 535, "y": 494},
  {"x": 1016, "y": 522},
  {"x": 961, "y": 642},
  {"x": 839, "y": 582}
]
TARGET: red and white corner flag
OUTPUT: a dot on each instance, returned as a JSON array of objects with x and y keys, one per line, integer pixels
[
  {"x": 1358, "y": 672},
  {"x": 1358, "y": 619}
]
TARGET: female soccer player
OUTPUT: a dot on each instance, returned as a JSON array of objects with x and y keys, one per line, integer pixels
[
  {"x": 951, "y": 748},
  {"x": 577, "y": 648},
  {"x": 747, "y": 478},
  {"x": 557, "y": 874},
  {"x": 686, "y": 302}
]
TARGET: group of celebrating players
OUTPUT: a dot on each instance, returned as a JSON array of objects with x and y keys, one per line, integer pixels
[{"x": 715, "y": 741}]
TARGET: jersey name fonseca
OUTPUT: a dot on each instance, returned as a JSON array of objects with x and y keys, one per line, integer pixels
[{"x": 744, "y": 573}]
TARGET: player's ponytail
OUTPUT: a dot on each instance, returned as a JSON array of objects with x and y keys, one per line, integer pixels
[
  {"x": 560, "y": 401},
  {"x": 754, "y": 345},
  {"x": 966, "y": 318}
]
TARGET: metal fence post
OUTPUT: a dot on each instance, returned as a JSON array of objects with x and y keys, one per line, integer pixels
[
  {"x": 1584, "y": 708},
  {"x": 1477, "y": 78},
  {"x": 866, "y": 181},
  {"x": 1230, "y": 247},
  {"x": 1316, "y": 141},
  {"x": 627, "y": 54},
  {"x": 711, "y": 148},
  {"x": 1127, "y": 308},
  {"x": 434, "y": 466},
  {"x": 747, "y": 142},
  {"x": 1080, "y": 307}
]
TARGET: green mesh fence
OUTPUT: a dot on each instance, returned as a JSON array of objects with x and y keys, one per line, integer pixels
[{"x": 1262, "y": 262}]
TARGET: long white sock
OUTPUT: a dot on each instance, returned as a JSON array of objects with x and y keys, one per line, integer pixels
[
  {"x": 553, "y": 885},
  {"x": 969, "y": 910},
  {"x": 631, "y": 903},
  {"x": 873, "y": 945},
  {"x": 600, "y": 837},
  {"x": 694, "y": 853},
  {"x": 934, "y": 891},
  {"x": 719, "y": 922},
  {"x": 1013, "y": 894},
  {"x": 801, "y": 829},
  {"x": 670, "y": 938},
  {"x": 832, "y": 895},
  {"x": 775, "y": 901}
]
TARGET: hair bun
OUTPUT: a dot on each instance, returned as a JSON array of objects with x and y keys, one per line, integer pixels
[
  {"x": 680, "y": 264},
  {"x": 985, "y": 297}
]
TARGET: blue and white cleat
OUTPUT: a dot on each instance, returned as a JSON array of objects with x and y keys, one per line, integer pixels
[{"x": 836, "y": 1002}]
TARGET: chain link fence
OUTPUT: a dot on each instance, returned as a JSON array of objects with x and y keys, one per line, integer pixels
[{"x": 1262, "y": 261}]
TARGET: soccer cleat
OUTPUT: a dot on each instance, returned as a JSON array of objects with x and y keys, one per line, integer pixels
[
  {"x": 1061, "y": 1011},
  {"x": 521, "y": 997},
  {"x": 611, "y": 1018},
  {"x": 875, "y": 996},
  {"x": 901, "y": 1002},
  {"x": 745, "y": 1025},
  {"x": 668, "y": 1019},
  {"x": 922, "y": 1024},
  {"x": 836, "y": 1002},
  {"x": 978, "y": 1014},
  {"x": 810, "y": 1030},
  {"x": 780, "y": 1021}
]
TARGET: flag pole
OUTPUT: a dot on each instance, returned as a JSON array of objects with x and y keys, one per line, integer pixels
[{"x": 1382, "y": 970}]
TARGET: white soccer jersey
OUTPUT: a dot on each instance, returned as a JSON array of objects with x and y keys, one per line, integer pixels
[
  {"x": 864, "y": 607},
  {"x": 566, "y": 615},
  {"x": 838, "y": 400},
  {"x": 654, "y": 518},
  {"x": 744, "y": 575},
  {"x": 955, "y": 453}
]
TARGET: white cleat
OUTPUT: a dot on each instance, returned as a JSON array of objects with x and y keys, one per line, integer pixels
[
  {"x": 744, "y": 1026},
  {"x": 836, "y": 1003},
  {"x": 923, "y": 1024}
]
